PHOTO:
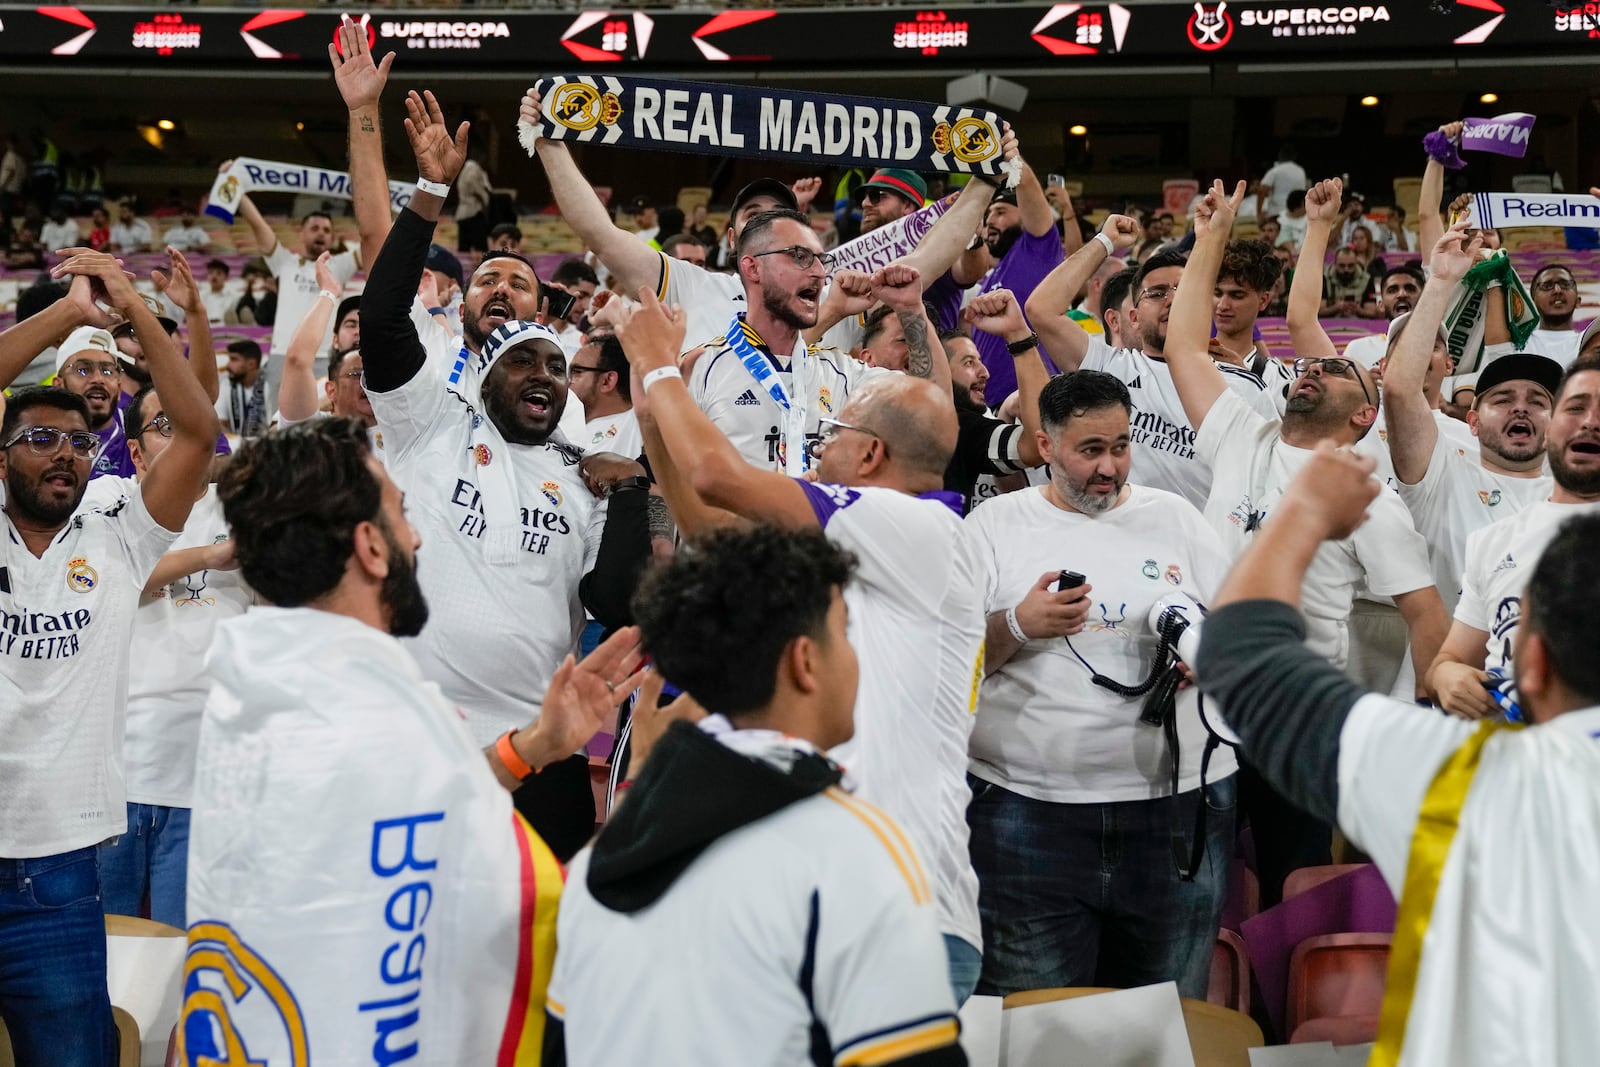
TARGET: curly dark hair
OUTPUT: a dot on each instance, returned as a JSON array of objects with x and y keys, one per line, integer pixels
[
  {"x": 716, "y": 620},
  {"x": 293, "y": 499},
  {"x": 1558, "y": 605},
  {"x": 1252, "y": 264}
]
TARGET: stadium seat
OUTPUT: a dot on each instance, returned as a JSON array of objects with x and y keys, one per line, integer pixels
[
  {"x": 1230, "y": 973},
  {"x": 1219, "y": 1036},
  {"x": 1337, "y": 1030},
  {"x": 1336, "y": 976},
  {"x": 132, "y": 926},
  {"x": 127, "y": 1041},
  {"x": 1310, "y": 877}
]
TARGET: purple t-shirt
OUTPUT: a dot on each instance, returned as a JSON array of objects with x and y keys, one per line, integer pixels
[
  {"x": 1021, "y": 269},
  {"x": 114, "y": 457}
]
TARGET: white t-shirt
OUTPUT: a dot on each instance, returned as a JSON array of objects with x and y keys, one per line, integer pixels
[
  {"x": 1163, "y": 441},
  {"x": 65, "y": 623},
  {"x": 1456, "y": 497},
  {"x": 54, "y": 235},
  {"x": 1500, "y": 560},
  {"x": 569, "y": 337},
  {"x": 1559, "y": 345},
  {"x": 187, "y": 238},
  {"x": 748, "y": 415},
  {"x": 709, "y": 300},
  {"x": 710, "y": 973},
  {"x": 1457, "y": 434},
  {"x": 136, "y": 236},
  {"x": 218, "y": 305},
  {"x": 1292, "y": 230},
  {"x": 1283, "y": 178},
  {"x": 495, "y": 634},
  {"x": 1368, "y": 351},
  {"x": 1044, "y": 730},
  {"x": 1253, "y": 466},
  {"x": 1512, "y": 955},
  {"x": 917, "y": 624},
  {"x": 298, "y": 289},
  {"x": 617, "y": 433}
]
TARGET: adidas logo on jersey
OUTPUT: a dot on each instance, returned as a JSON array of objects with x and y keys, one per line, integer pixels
[
  {"x": 1507, "y": 564},
  {"x": 747, "y": 399}
]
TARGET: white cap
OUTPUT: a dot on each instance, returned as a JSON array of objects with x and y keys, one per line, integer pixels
[{"x": 87, "y": 339}]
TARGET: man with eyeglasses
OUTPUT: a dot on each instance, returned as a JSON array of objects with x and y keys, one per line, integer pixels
[
  {"x": 1162, "y": 440},
  {"x": 760, "y": 382},
  {"x": 194, "y": 587},
  {"x": 598, "y": 376},
  {"x": 1253, "y": 459},
  {"x": 1555, "y": 297},
  {"x": 69, "y": 586},
  {"x": 914, "y": 609},
  {"x": 89, "y": 365}
]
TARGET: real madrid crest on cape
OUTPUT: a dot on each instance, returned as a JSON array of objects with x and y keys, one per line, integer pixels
[{"x": 767, "y": 123}]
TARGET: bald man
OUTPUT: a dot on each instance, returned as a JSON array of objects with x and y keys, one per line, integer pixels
[{"x": 915, "y": 607}]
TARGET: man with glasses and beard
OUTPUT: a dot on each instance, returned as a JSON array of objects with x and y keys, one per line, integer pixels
[
  {"x": 69, "y": 586},
  {"x": 1056, "y": 757},
  {"x": 1253, "y": 459},
  {"x": 527, "y": 532},
  {"x": 1555, "y": 297},
  {"x": 1500, "y": 557},
  {"x": 365, "y": 821}
]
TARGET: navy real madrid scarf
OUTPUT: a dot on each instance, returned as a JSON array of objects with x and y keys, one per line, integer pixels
[{"x": 767, "y": 123}]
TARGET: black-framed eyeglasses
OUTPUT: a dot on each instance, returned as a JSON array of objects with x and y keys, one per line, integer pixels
[
  {"x": 1334, "y": 365},
  {"x": 1158, "y": 292},
  {"x": 85, "y": 369},
  {"x": 800, "y": 256},
  {"x": 160, "y": 424},
  {"x": 47, "y": 441},
  {"x": 1554, "y": 285},
  {"x": 360, "y": 375},
  {"x": 578, "y": 368},
  {"x": 830, "y": 430}
]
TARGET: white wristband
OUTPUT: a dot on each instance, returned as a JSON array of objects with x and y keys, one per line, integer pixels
[
  {"x": 1014, "y": 626},
  {"x": 661, "y": 374},
  {"x": 332, "y": 296},
  {"x": 1111, "y": 248},
  {"x": 438, "y": 189}
]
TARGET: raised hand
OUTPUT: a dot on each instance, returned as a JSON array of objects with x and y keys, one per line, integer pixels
[
  {"x": 651, "y": 334},
  {"x": 1122, "y": 229},
  {"x": 1456, "y": 252},
  {"x": 1323, "y": 200},
  {"x": 849, "y": 293},
  {"x": 440, "y": 156},
  {"x": 583, "y": 696},
  {"x": 805, "y": 190},
  {"x": 996, "y": 312},
  {"x": 898, "y": 286},
  {"x": 97, "y": 279},
  {"x": 1458, "y": 206},
  {"x": 360, "y": 81},
  {"x": 177, "y": 282},
  {"x": 531, "y": 110},
  {"x": 1215, "y": 212}
]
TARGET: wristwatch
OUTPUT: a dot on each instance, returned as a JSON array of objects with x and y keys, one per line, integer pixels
[
  {"x": 1025, "y": 344},
  {"x": 638, "y": 481}
]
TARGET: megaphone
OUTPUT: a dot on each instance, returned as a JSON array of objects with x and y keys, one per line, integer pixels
[{"x": 1177, "y": 619}]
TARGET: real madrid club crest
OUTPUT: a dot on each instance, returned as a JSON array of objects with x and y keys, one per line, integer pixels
[
  {"x": 551, "y": 492},
  {"x": 825, "y": 400},
  {"x": 579, "y": 106},
  {"x": 1174, "y": 575},
  {"x": 229, "y": 193},
  {"x": 481, "y": 455},
  {"x": 81, "y": 578},
  {"x": 970, "y": 139},
  {"x": 1489, "y": 497}
]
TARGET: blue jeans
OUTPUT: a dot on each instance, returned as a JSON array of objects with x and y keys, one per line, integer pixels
[
  {"x": 53, "y": 962},
  {"x": 965, "y": 962},
  {"x": 152, "y": 857},
  {"x": 1089, "y": 894}
]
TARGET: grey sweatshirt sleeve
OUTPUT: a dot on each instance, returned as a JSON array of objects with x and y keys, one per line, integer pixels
[{"x": 1287, "y": 704}]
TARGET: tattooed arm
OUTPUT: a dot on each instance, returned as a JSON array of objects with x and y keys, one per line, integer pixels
[{"x": 900, "y": 287}]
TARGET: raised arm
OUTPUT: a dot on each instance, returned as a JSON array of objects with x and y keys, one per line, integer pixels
[
  {"x": 1188, "y": 348},
  {"x": 1430, "y": 224},
  {"x": 361, "y": 83},
  {"x": 1037, "y": 218},
  {"x": 82, "y": 306},
  {"x": 173, "y": 485},
  {"x": 297, "y": 394},
  {"x": 849, "y": 293},
  {"x": 996, "y": 312},
  {"x": 1412, "y": 430},
  {"x": 266, "y": 240},
  {"x": 391, "y": 352},
  {"x": 1305, "y": 292},
  {"x": 178, "y": 284},
  {"x": 633, "y": 261},
  {"x": 900, "y": 287},
  {"x": 1047, "y": 305},
  {"x": 943, "y": 246},
  {"x": 1071, "y": 236},
  {"x": 693, "y": 517},
  {"x": 652, "y": 336}
]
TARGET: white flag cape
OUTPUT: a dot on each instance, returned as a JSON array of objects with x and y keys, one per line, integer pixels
[{"x": 360, "y": 889}]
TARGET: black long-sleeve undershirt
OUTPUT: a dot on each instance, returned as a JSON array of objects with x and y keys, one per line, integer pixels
[
  {"x": 391, "y": 352},
  {"x": 1287, "y": 704},
  {"x": 607, "y": 590}
]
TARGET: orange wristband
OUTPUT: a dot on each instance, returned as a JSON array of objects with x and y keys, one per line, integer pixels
[{"x": 508, "y": 756}]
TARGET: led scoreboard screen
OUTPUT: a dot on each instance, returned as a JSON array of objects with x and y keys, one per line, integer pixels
[{"x": 802, "y": 39}]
